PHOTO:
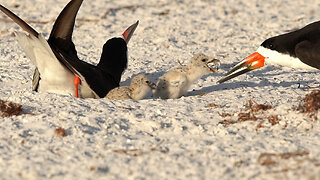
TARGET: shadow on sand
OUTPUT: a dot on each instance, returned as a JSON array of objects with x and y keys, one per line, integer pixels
[
  {"x": 236, "y": 84},
  {"x": 263, "y": 83}
]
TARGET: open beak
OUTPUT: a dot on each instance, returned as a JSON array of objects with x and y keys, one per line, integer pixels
[
  {"x": 252, "y": 62},
  {"x": 129, "y": 32},
  {"x": 151, "y": 85},
  {"x": 213, "y": 65}
]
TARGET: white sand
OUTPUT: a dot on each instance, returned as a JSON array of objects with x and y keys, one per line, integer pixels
[{"x": 162, "y": 139}]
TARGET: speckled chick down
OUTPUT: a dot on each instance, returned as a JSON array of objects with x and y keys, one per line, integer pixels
[
  {"x": 176, "y": 82},
  {"x": 139, "y": 87}
]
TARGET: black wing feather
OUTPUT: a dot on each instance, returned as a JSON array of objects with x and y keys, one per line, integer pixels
[
  {"x": 308, "y": 53},
  {"x": 61, "y": 34},
  {"x": 19, "y": 21},
  {"x": 64, "y": 24}
]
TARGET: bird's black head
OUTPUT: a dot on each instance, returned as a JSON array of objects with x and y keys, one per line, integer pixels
[
  {"x": 284, "y": 43},
  {"x": 270, "y": 44},
  {"x": 114, "y": 57}
]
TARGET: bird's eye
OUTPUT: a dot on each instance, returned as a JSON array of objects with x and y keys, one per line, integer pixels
[
  {"x": 203, "y": 60},
  {"x": 271, "y": 46}
]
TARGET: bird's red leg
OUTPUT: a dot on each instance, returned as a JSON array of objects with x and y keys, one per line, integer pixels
[{"x": 76, "y": 82}]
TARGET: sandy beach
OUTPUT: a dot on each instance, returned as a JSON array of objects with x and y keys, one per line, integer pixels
[{"x": 246, "y": 128}]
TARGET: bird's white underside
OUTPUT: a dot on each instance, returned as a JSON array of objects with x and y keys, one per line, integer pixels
[
  {"x": 276, "y": 58},
  {"x": 55, "y": 77}
]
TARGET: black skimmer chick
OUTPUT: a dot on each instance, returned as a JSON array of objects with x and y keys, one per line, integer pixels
[
  {"x": 296, "y": 49},
  {"x": 59, "y": 70},
  {"x": 176, "y": 82},
  {"x": 139, "y": 87}
]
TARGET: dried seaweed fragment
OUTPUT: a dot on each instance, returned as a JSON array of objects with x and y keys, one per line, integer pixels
[
  {"x": 8, "y": 109},
  {"x": 273, "y": 119},
  {"x": 140, "y": 152},
  {"x": 273, "y": 159},
  {"x": 225, "y": 114},
  {"x": 213, "y": 105},
  {"x": 60, "y": 132},
  {"x": 227, "y": 122},
  {"x": 255, "y": 107},
  {"x": 252, "y": 112},
  {"x": 246, "y": 117},
  {"x": 311, "y": 103}
]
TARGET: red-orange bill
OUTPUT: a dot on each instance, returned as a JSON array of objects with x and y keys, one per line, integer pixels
[
  {"x": 252, "y": 62},
  {"x": 129, "y": 32}
]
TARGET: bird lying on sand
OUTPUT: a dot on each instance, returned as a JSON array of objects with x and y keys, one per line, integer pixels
[
  {"x": 139, "y": 87},
  {"x": 59, "y": 70},
  {"x": 176, "y": 82},
  {"x": 296, "y": 49}
]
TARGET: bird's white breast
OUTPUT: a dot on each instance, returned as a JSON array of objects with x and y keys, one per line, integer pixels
[
  {"x": 274, "y": 57},
  {"x": 55, "y": 77}
]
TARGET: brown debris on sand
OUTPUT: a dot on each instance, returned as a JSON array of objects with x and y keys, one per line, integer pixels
[
  {"x": 286, "y": 161},
  {"x": 272, "y": 159},
  {"x": 227, "y": 122},
  {"x": 255, "y": 107},
  {"x": 252, "y": 109},
  {"x": 273, "y": 120},
  {"x": 246, "y": 117},
  {"x": 310, "y": 104},
  {"x": 8, "y": 109},
  {"x": 61, "y": 132}
]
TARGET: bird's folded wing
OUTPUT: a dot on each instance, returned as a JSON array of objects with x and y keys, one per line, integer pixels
[{"x": 308, "y": 53}]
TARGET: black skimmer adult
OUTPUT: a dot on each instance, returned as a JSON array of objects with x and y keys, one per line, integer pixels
[
  {"x": 296, "y": 49},
  {"x": 58, "y": 68},
  {"x": 176, "y": 82}
]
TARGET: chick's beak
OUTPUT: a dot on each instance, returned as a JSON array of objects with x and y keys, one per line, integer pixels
[
  {"x": 151, "y": 85},
  {"x": 213, "y": 65},
  {"x": 252, "y": 62}
]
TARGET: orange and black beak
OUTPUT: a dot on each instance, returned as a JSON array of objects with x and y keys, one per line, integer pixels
[
  {"x": 252, "y": 62},
  {"x": 129, "y": 32}
]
